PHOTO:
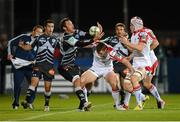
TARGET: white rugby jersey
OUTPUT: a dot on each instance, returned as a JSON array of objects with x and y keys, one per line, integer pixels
[
  {"x": 106, "y": 61},
  {"x": 142, "y": 59},
  {"x": 102, "y": 61}
]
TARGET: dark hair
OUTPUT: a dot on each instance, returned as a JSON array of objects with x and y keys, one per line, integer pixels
[
  {"x": 62, "y": 23},
  {"x": 48, "y": 21},
  {"x": 101, "y": 46},
  {"x": 37, "y": 26},
  {"x": 120, "y": 24}
]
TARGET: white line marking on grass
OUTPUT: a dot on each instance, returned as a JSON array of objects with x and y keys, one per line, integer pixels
[{"x": 62, "y": 112}]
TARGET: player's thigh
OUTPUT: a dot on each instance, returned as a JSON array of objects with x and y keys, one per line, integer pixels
[
  {"x": 111, "y": 78},
  {"x": 127, "y": 84},
  {"x": 147, "y": 81},
  {"x": 88, "y": 77}
]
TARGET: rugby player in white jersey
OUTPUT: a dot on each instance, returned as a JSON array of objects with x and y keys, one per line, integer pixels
[
  {"x": 143, "y": 41},
  {"x": 103, "y": 67},
  {"x": 140, "y": 47}
]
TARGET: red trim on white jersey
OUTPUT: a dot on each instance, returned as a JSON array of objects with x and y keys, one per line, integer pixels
[
  {"x": 112, "y": 53},
  {"x": 153, "y": 37}
]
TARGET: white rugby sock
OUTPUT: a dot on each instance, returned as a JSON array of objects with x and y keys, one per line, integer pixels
[
  {"x": 142, "y": 97},
  {"x": 137, "y": 93},
  {"x": 127, "y": 98},
  {"x": 115, "y": 95},
  {"x": 153, "y": 90}
]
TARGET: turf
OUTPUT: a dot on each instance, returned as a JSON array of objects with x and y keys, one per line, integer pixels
[{"x": 64, "y": 109}]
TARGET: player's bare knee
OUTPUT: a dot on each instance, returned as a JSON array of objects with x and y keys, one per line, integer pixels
[
  {"x": 147, "y": 85},
  {"x": 127, "y": 85}
]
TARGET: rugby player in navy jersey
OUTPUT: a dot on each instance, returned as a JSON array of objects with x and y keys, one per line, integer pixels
[
  {"x": 15, "y": 50},
  {"x": 72, "y": 40},
  {"x": 115, "y": 42},
  {"x": 43, "y": 67}
]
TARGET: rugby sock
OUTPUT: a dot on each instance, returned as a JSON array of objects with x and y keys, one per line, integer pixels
[
  {"x": 137, "y": 93},
  {"x": 80, "y": 94},
  {"x": 122, "y": 94},
  {"x": 47, "y": 96},
  {"x": 127, "y": 98},
  {"x": 115, "y": 95},
  {"x": 155, "y": 93},
  {"x": 30, "y": 94},
  {"x": 85, "y": 93},
  {"x": 34, "y": 95},
  {"x": 143, "y": 97}
]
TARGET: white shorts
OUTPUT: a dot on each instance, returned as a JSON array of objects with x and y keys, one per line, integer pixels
[
  {"x": 154, "y": 67},
  {"x": 101, "y": 72}
]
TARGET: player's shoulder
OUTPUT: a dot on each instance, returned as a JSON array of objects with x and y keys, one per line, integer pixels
[
  {"x": 23, "y": 35},
  {"x": 143, "y": 32},
  {"x": 80, "y": 32},
  {"x": 148, "y": 30},
  {"x": 42, "y": 37},
  {"x": 18, "y": 37},
  {"x": 66, "y": 36},
  {"x": 112, "y": 40}
]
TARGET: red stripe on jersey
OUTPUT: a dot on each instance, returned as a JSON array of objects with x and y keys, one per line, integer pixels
[
  {"x": 114, "y": 56},
  {"x": 153, "y": 37},
  {"x": 117, "y": 58}
]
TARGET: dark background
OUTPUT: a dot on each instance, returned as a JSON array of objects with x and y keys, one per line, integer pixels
[{"x": 158, "y": 15}]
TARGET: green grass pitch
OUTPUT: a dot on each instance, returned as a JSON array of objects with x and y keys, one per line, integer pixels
[{"x": 102, "y": 109}]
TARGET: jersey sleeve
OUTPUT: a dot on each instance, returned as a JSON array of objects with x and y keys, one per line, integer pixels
[
  {"x": 14, "y": 43},
  {"x": 114, "y": 54},
  {"x": 81, "y": 33},
  {"x": 152, "y": 35}
]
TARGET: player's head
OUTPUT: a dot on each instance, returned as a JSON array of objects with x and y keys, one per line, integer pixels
[
  {"x": 120, "y": 29},
  {"x": 101, "y": 49},
  {"x": 49, "y": 27},
  {"x": 66, "y": 25},
  {"x": 37, "y": 30},
  {"x": 136, "y": 23}
]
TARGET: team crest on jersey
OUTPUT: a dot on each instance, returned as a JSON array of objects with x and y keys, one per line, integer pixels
[
  {"x": 53, "y": 41},
  {"x": 42, "y": 40}
]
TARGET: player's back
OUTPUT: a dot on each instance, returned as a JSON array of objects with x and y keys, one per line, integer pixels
[{"x": 18, "y": 51}]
